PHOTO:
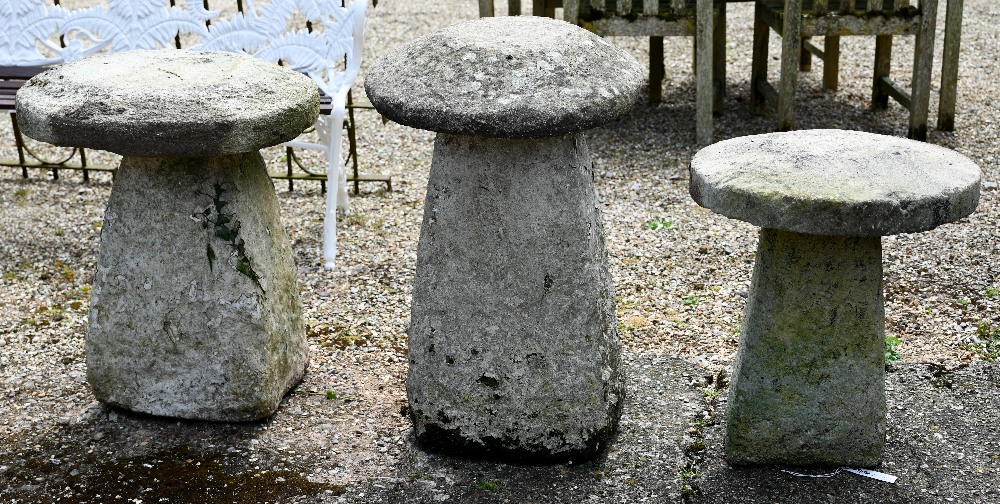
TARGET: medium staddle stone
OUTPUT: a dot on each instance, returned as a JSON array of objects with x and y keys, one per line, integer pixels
[
  {"x": 514, "y": 349},
  {"x": 808, "y": 385},
  {"x": 195, "y": 310}
]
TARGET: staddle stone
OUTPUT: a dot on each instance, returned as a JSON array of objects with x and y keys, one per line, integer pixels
[
  {"x": 514, "y": 350},
  {"x": 808, "y": 385},
  {"x": 195, "y": 310}
]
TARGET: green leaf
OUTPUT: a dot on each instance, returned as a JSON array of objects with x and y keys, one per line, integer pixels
[{"x": 211, "y": 256}]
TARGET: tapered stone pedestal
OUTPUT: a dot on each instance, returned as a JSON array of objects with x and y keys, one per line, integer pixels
[
  {"x": 808, "y": 385},
  {"x": 195, "y": 311},
  {"x": 513, "y": 348}
]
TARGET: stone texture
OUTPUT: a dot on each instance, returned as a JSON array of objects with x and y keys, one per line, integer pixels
[
  {"x": 808, "y": 385},
  {"x": 833, "y": 182},
  {"x": 195, "y": 310},
  {"x": 168, "y": 103},
  {"x": 510, "y": 76},
  {"x": 514, "y": 350}
]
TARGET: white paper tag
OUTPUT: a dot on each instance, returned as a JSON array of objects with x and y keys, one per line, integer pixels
[
  {"x": 803, "y": 475},
  {"x": 868, "y": 473}
]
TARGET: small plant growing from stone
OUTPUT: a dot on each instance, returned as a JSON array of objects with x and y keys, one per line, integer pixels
[
  {"x": 227, "y": 228},
  {"x": 992, "y": 292},
  {"x": 891, "y": 354},
  {"x": 964, "y": 301}
]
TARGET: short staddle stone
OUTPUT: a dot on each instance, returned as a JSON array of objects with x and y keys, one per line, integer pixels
[
  {"x": 195, "y": 310},
  {"x": 509, "y": 76},
  {"x": 168, "y": 103},
  {"x": 834, "y": 182},
  {"x": 808, "y": 386},
  {"x": 514, "y": 349}
]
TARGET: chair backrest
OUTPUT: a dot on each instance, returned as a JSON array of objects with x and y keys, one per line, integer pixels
[
  {"x": 820, "y": 7},
  {"x": 628, "y": 8}
]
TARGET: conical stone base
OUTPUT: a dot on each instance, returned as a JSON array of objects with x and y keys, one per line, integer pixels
[
  {"x": 514, "y": 349},
  {"x": 195, "y": 310},
  {"x": 808, "y": 386}
]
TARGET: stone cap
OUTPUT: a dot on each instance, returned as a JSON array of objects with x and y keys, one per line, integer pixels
[
  {"x": 507, "y": 77},
  {"x": 835, "y": 182},
  {"x": 168, "y": 103}
]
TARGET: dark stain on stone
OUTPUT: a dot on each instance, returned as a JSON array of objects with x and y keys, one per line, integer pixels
[{"x": 489, "y": 381}]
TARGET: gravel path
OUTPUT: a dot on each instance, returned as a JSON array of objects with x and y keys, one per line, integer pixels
[{"x": 681, "y": 275}]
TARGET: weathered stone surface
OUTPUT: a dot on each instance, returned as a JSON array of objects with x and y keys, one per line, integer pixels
[
  {"x": 514, "y": 349},
  {"x": 510, "y": 76},
  {"x": 168, "y": 103},
  {"x": 808, "y": 386},
  {"x": 195, "y": 310},
  {"x": 833, "y": 182}
]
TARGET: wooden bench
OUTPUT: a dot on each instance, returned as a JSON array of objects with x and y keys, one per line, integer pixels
[
  {"x": 326, "y": 46},
  {"x": 832, "y": 19}
]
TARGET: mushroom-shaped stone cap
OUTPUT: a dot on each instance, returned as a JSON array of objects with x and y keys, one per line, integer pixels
[
  {"x": 168, "y": 103},
  {"x": 835, "y": 182},
  {"x": 506, "y": 77}
]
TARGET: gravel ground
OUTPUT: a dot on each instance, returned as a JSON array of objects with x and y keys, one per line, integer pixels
[{"x": 681, "y": 293}]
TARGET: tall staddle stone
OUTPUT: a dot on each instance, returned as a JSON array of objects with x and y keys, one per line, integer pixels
[
  {"x": 514, "y": 349},
  {"x": 195, "y": 310}
]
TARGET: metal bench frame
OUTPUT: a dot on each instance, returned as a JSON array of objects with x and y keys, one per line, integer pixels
[{"x": 41, "y": 33}]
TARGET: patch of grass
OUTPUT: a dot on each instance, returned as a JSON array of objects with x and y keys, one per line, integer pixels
[
  {"x": 21, "y": 192},
  {"x": 358, "y": 219},
  {"x": 891, "y": 354},
  {"x": 339, "y": 335},
  {"x": 691, "y": 300},
  {"x": 963, "y": 301},
  {"x": 711, "y": 393},
  {"x": 657, "y": 224},
  {"x": 420, "y": 475},
  {"x": 331, "y": 395},
  {"x": 81, "y": 292},
  {"x": 987, "y": 344},
  {"x": 685, "y": 473},
  {"x": 624, "y": 328},
  {"x": 696, "y": 446},
  {"x": 992, "y": 292},
  {"x": 488, "y": 486}
]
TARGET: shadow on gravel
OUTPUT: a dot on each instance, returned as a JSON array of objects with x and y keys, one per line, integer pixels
[
  {"x": 643, "y": 463},
  {"x": 117, "y": 456},
  {"x": 943, "y": 444}
]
